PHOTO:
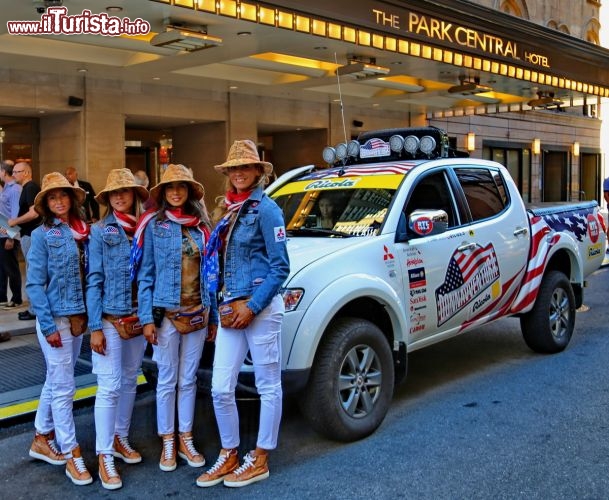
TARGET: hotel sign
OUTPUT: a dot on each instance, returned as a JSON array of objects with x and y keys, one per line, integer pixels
[{"x": 457, "y": 35}]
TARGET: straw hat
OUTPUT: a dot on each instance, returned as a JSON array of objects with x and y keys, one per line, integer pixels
[
  {"x": 121, "y": 178},
  {"x": 244, "y": 153},
  {"x": 55, "y": 180},
  {"x": 177, "y": 173}
]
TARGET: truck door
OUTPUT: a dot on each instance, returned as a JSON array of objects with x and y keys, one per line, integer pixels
[{"x": 486, "y": 263}]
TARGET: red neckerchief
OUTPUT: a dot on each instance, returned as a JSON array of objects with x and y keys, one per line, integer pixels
[{"x": 126, "y": 221}]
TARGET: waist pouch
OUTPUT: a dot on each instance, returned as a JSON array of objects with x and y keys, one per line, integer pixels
[
  {"x": 78, "y": 323},
  {"x": 227, "y": 311},
  {"x": 189, "y": 319},
  {"x": 126, "y": 326}
]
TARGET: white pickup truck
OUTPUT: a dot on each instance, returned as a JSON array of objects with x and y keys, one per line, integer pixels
[{"x": 423, "y": 244}]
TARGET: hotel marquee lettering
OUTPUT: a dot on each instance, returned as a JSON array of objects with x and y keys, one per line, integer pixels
[{"x": 445, "y": 31}]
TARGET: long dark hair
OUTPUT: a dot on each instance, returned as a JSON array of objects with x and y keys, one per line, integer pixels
[
  {"x": 76, "y": 210},
  {"x": 191, "y": 206}
]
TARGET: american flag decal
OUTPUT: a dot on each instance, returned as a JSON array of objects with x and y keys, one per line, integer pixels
[
  {"x": 394, "y": 168},
  {"x": 374, "y": 147},
  {"x": 574, "y": 221},
  {"x": 54, "y": 232},
  {"x": 469, "y": 273},
  {"x": 542, "y": 240},
  {"x": 111, "y": 230}
]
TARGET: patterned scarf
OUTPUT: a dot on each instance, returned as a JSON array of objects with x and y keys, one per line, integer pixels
[
  {"x": 211, "y": 267},
  {"x": 127, "y": 221},
  {"x": 135, "y": 259},
  {"x": 175, "y": 215}
]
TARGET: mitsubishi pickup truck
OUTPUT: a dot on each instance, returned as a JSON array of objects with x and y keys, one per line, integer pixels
[{"x": 423, "y": 244}]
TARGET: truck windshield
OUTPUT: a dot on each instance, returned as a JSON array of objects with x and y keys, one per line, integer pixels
[{"x": 335, "y": 212}]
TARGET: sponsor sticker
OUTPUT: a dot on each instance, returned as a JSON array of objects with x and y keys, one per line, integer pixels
[{"x": 279, "y": 233}]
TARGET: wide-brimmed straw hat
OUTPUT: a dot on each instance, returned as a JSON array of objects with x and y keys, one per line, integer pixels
[
  {"x": 55, "y": 180},
  {"x": 120, "y": 178},
  {"x": 177, "y": 173},
  {"x": 244, "y": 152}
]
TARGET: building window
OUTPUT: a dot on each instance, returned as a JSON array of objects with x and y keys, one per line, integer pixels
[{"x": 518, "y": 163}]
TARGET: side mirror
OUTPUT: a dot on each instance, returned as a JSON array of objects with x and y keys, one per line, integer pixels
[{"x": 422, "y": 223}]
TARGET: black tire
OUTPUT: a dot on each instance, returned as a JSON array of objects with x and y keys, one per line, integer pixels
[
  {"x": 351, "y": 383},
  {"x": 548, "y": 327}
]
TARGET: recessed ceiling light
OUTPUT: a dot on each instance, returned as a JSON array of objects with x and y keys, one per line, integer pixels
[
  {"x": 114, "y": 8},
  {"x": 156, "y": 77},
  {"x": 321, "y": 47},
  {"x": 244, "y": 33},
  {"x": 82, "y": 70},
  {"x": 233, "y": 87}
]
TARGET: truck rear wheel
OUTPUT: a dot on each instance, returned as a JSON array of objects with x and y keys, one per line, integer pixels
[
  {"x": 351, "y": 383},
  {"x": 548, "y": 327}
]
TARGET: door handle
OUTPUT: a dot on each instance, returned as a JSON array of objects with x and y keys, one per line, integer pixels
[
  {"x": 466, "y": 246},
  {"x": 521, "y": 230}
]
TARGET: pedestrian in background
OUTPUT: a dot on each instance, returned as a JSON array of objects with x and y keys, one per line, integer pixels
[
  {"x": 27, "y": 219},
  {"x": 117, "y": 340},
  {"x": 174, "y": 304},
  {"x": 55, "y": 285},
  {"x": 9, "y": 246},
  {"x": 90, "y": 205},
  {"x": 250, "y": 242}
]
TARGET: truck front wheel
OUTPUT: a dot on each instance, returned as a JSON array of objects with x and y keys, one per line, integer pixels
[
  {"x": 351, "y": 383},
  {"x": 548, "y": 327}
]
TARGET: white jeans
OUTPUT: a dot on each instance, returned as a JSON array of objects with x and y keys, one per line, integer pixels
[
  {"x": 262, "y": 338},
  {"x": 116, "y": 372},
  {"x": 57, "y": 395},
  {"x": 177, "y": 357}
]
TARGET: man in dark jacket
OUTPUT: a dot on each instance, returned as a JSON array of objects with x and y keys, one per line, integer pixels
[{"x": 90, "y": 206}]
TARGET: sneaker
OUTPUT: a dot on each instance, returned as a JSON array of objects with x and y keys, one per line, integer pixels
[
  {"x": 76, "y": 470},
  {"x": 187, "y": 450},
  {"x": 5, "y": 336},
  {"x": 227, "y": 462},
  {"x": 123, "y": 450},
  {"x": 12, "y": 305},
  {"x": 254, "y": 468},
  {"x": 108, "y": 476},
  {"x": 44, "y": 448},
  {"x": 3, "y": 303},
  {"x": 168, "y": 455}
]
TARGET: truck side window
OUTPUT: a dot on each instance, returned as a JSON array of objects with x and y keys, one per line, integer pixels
[
  {"x": 485, "y": 197},
  {"x": 431, "y": 192}
]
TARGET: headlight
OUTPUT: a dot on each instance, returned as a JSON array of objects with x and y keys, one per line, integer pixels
[{"x": 291, "y": 298}]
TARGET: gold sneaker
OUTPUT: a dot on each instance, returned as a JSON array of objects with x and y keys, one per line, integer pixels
[
  {"x": 124, "y": 451},
  {"x": 227, "y": 462},
  {"x": 76, "y": 470},
  {"x": 108, "y": 475},
  {"x": 254, "y": 468},
  {"x": 168, "y": 454},
  {"x": 44, "y": 448},
  {"x": 187, "y": 450}
]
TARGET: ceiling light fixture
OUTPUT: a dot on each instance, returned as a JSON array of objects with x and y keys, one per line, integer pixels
[
  {"x": 114, "y": 8},
  {"x": 358, "y": 68},
  {"x": 546, "y": 100},
  {"x": 189, "y": 39},
  {"x": 469, "y": 87}
]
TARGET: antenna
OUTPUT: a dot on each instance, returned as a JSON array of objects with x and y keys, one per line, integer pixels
[{"x": 340, "y": 97}]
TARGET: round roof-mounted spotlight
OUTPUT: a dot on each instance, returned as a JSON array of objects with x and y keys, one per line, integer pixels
[
  {"x": 411, "y": 144},
  {"x": 353, "y": 148},
  {"x": 428, "y": 144},
  {"x": 329, "y": 155},
  {"x": 396, "y": 143},
  {"x": 341, "y": 151}
]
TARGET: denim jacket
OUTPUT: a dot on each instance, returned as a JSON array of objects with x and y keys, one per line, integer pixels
[
  {"x": 53, "y": 283},
  {"x": 108, "y": 283},
  {"x": 160, "y": 275},
  {"x": 256, "y": 259}
]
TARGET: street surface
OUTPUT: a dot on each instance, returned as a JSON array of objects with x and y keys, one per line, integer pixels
[{"x": 480, "y": 417}]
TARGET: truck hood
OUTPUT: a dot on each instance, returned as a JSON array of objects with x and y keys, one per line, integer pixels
[{"x": 306, "y": 250}]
